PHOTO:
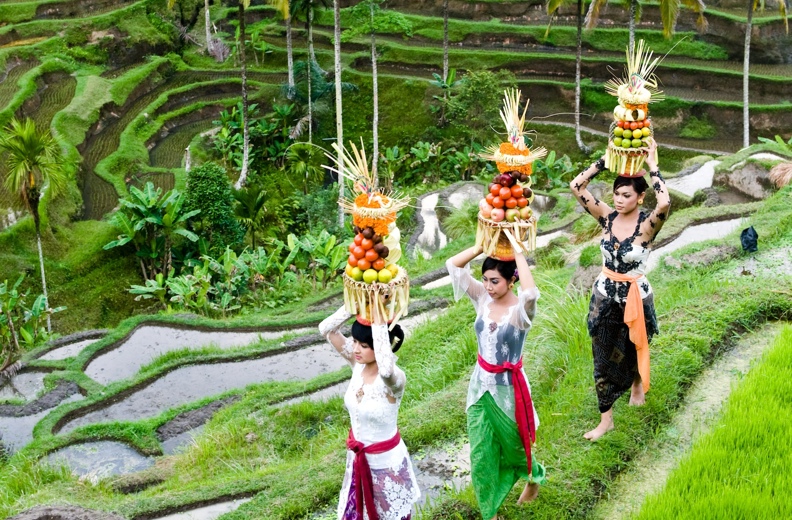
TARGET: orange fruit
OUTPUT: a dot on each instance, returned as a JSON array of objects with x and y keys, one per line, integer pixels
[
  {"x": 359, "y": 252},
  {"x": 367, "y": 244},
  {"x": 371, "y": 255},
  {"x": 516, "y": 191},
  {"x": 522, "y": 202},
  {"x": 364, "y": 264},
  {"x": 511, "y": 202},
  {"x": 378, "y": 264},
  {"x": 353, "y": 260},
  {"x": 505, "y": 193},
  {"x": 497, "y": 202}
]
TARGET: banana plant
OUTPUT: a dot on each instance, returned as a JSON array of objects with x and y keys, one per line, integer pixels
[{"x": 153, "y": 288}]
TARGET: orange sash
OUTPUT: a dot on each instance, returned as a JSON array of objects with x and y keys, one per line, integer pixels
[{"x": 634, "y": 319}]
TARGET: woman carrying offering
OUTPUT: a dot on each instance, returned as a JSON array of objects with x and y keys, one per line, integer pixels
[
  {"x": 379, "y": 482},
  {"x": 621, "y": 319},
  {"x": 501, "y": 418}
]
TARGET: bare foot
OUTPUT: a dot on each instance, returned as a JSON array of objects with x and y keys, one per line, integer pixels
[
  {"x": 637, "y": 396},
  {"x": 529, "y": 493},
  {"x": 605, "y": 425}
]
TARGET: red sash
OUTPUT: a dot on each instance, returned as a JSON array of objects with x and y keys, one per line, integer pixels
[
  {"x": 524, "y": 413},
  {"x": 364, "y": 487}
]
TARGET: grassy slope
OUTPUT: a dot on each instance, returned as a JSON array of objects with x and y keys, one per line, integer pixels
[
  {"x": 699, "y": 310},
  {"x": 738, "y": 470}
]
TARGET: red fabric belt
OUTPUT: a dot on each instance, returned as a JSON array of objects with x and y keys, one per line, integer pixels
[
  {"x": 524, "y": 413},
  {"x": 364, "y": 487}
]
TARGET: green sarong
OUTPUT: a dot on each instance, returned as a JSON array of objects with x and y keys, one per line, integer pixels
[{"x": 497, "y": 456}]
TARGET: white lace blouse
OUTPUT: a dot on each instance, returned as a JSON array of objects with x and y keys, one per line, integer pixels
[
  {"x": 374, "y": 411},
  {"x": 498, "y": 342}
]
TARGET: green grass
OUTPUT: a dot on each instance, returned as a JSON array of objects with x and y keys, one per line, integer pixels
[{"x": 740, "y": 468}]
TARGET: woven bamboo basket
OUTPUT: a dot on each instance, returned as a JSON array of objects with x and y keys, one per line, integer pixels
[
  {"x": 626, "y": 162},
  {"x": 392, "y": 298},
  {"x": 492, "y": 237}
]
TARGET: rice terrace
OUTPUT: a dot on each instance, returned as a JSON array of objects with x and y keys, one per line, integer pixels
[{"x": 219, "y": 219}]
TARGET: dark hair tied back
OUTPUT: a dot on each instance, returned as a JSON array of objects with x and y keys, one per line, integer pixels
[
  {"x": 362, "y": 333},
  {"x": 639, "y": 184},
  {"x": 506, "y": 268}
]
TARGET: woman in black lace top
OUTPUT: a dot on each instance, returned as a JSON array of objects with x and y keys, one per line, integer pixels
[{"x": 621, "y": 319}]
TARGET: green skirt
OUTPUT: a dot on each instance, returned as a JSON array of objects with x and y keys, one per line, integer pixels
[{"x": 497, "y": 456}]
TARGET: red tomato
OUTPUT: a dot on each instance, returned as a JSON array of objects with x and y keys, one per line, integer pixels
[
  {"x": 522, "y": 202},
  {"x": 511, "y": 202},
  {"x": 363, "y": 264},
  {"x": 367, "y": 244},
  {"x": 647, "y": 122},
  {"x": 378, "y": 264},
  {"x": 516, "y": 191},
  {"x": 495, "y": 189},
  {"x": 497, "y": 202},
  {"x": 640, "y": 124},
  {"x": 620, "y": 123},
  {"x": 489, "y": 198},
  {"x": 633, "y": 125},
  {"x": 353, "y": 260},
  {"x": 352, "y": 247},
  {"x": 505, "y": 193},
  {"x": 358, "y": 239},
  {"x": 371, "y": 255},
  {"x": 359, "y": 252}
]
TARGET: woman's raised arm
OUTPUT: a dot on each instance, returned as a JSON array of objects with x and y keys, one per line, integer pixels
[
  {"x": 595, "y": 207},
  {"x": 329, "y": 328}
]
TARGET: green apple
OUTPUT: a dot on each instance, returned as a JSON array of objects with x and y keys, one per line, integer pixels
[
  {"x": 626, "y": 143},
  {"x": 357, "y": 274},
  {"x": 637, "y": 134},
  {"x": 617, "y": 141},
  {"x": 617, "y": 132},
  {"x": 370, "y": 276},
  {"x": 512, "y": 214},
  {"x": 637, "y": 143},
  {"x": 384, "y": 276}
]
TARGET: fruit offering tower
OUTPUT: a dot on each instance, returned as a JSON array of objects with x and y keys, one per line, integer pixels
[
  {"x": 371, "y": 277},
  {"x": 632, "y": 127},
  {"x": 507, "y": 204}
]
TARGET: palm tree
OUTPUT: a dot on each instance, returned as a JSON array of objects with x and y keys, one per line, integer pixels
[
  {"x": 375, "y": 97},
  {"x": 243, "y": 4},
  {"x": 249, "y": 208},
  {"x": 289, "y": 50},
  {"x": 33, "y": 162},
  {"x": 445, "y": 40},
  {"x": 338, "y": 105},
  {"x": 208, "y": 21},
  {"x": 552, "y": 8},
  {"x": 752, "y": 4}
]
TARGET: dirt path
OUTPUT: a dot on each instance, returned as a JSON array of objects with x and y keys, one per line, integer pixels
[{"x": 699, "y": 412}]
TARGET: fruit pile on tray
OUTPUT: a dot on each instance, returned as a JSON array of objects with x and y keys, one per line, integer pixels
[
  {"x": 507, "y": 204},
  {"x": 632, "y": 128},
  {"x": 372, "y": 276}
]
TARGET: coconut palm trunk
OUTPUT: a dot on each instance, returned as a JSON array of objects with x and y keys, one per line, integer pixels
[
  {"x": 445, "y": 41},
  {"x": 578, "y": 58},
  {"x": 338, "y": 107},
  {"x": 310, "y": 101},
  {"x": 289, "y": 55},
  {"x": 245, "y": 126},
  {"x": 746, "y": 69},
  {"x": 375, "y": 98},
  {"x": 35, "y": 198},
  {"x": 633, "y": 13},
  {"x": 208, "y": 20}
]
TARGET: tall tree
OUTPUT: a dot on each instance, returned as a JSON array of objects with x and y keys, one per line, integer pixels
[
  {"x": 289, "y": 51},
  {"x": 445, "y": 41},
  {"x": 669, "y": 12},
  {"x": 243, "y": 4},
  {"x": 33, "y": 163},
  {"x": 338, "y": 105},
  {"x": 367, "y": 18},
  {"x": 552, "y": 8},
  {"x": 208, "y": 21},
  {"x": 752, "y": 5}
]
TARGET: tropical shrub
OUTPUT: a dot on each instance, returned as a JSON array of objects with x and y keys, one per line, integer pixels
[
  {"x": 553, "y": 172},
  {"x": 22, "y": 324},
  {"x": 151, "y": 221},
  {"x": 209, "y": 192}
]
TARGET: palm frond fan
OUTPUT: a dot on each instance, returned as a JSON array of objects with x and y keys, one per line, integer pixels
[
  {"x": 627, "y": 144},
  {"x": 371, "y": 279}
]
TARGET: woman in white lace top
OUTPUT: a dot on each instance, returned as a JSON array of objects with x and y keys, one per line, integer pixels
[
  {"x": 379, "y": 482},
  {"x": 501, "y": 418}
]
